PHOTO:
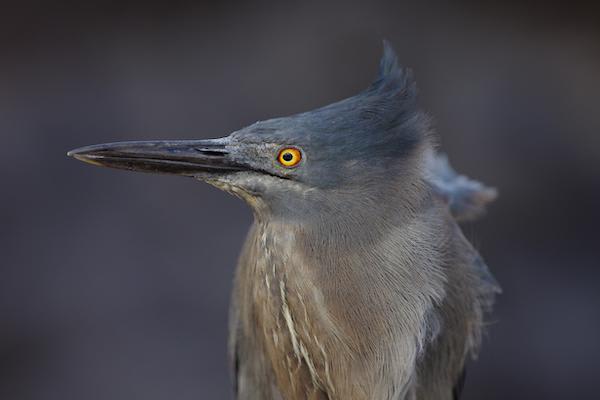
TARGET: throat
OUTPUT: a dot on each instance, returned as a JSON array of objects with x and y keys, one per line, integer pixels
[{"x": 292, "y": 321}]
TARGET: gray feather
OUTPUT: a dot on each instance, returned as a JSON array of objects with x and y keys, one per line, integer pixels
[{"x": 466, "y": 198}]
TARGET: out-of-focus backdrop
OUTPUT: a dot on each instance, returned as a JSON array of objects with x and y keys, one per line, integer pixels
[{"x": 115, "y": 285}]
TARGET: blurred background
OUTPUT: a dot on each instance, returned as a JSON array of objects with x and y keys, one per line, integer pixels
[{"x": 115, "y": 285}]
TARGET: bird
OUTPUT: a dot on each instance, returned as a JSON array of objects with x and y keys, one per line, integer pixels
[{"x": 355, "y": 280}]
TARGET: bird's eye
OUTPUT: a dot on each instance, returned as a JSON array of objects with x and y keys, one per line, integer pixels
[{"x": 289, "y": 157}]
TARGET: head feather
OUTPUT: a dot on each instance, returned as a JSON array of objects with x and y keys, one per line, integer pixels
[{"x": 394, "y": 80}]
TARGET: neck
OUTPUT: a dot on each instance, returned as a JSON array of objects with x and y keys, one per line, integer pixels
[{"x": 339, "y": 276}]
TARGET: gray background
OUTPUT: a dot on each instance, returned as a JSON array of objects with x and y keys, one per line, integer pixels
[{"x": 115, "y": 285}]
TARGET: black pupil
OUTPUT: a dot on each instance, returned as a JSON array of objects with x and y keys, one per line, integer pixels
[{"x": 287, "y": 157}]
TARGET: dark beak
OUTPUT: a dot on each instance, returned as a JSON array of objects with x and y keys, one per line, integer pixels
[{"x": 184, "y": 157}]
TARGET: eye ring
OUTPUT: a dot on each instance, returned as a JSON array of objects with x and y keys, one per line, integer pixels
[{"x": 289, "y": 157}]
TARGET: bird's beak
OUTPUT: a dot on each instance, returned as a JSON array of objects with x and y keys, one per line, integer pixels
[{"x": 184, "y": 157}]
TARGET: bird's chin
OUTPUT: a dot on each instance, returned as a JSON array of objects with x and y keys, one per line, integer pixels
[
  {"x": 245, "y": 185},
  {"x": 262, "y": 192}
]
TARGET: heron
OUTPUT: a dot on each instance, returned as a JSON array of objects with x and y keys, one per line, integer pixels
[{"x": 355, "y": 280}]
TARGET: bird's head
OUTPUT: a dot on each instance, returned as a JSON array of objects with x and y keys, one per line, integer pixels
[{"x": 350, "y": 153}]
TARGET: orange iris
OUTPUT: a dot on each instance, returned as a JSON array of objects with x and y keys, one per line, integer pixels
[{"x": 289, "y": 157}]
